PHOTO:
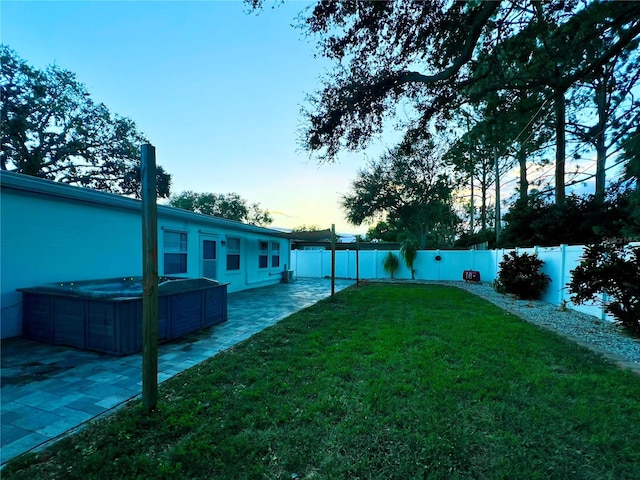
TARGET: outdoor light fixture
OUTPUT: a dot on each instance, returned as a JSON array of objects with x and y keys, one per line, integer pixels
[{"x": 223, "y": 242}]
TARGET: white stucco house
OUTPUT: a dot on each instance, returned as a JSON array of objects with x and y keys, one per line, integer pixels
[{"x": 52, "y": 232}]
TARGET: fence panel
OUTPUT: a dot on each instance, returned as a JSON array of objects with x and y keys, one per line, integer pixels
[
  {"x": 345, "y": 264},
  {"x": 553, "y": 258},
  {"x": 307, "y": 263},
  {"x": 448, "y": 265},
  {"x": 369, "y": 264},
  {"x": 428, "y": 265}
]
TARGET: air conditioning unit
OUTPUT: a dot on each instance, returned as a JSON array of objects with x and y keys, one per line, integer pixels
[{"x": 287, "y": 276}]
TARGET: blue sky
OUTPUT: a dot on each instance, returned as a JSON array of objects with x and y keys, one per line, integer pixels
[{"x": 218, "y": 92}]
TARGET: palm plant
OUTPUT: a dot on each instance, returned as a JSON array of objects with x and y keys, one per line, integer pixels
[
  {"x": 409, "y": 251},
  {"x": 391, "y": 264}
]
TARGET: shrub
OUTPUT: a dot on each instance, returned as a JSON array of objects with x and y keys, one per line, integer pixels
[
  {"x": 612, "y": 269},
  {"x": 409, "y": 250},
  {"x": 521, "y": 276},
  {"x": 391, "y": 264}
]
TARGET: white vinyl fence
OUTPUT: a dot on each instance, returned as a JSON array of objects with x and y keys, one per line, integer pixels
[{"x": 449, "y": 265}]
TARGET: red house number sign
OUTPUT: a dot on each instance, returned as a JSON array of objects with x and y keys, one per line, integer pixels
[{"x": 471, "y": 276}]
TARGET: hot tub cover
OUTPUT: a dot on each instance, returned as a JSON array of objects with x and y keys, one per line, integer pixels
[{"x": 122, "y": 287}]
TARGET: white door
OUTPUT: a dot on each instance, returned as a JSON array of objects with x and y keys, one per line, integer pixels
[{"x": 208, "y": 257}]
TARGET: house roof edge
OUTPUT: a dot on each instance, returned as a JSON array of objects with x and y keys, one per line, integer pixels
[{"x": 41, "y": 186}]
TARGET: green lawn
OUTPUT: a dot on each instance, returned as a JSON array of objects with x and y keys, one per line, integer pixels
[{"x": 387, "y": 381}]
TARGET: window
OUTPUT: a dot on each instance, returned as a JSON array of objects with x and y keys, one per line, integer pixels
[
  {"x": 208, "y": 250},
  {"x": 263, "y": 254},
  {"x": 233, "y": 253},
  {"x": 208, "y": 259},
  {"x": 275, "y": 254},
  {"x": 175, "y": 252}
]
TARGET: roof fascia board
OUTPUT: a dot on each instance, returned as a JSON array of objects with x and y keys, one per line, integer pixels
[{"x": 34, "y": 185}]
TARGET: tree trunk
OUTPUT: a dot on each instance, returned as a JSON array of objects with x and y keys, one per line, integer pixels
[
  {"x": 484, "y": 187},
  {"x": 495, "y": 163},
  {"x": 423, "y": 234},
  {"x": 560, "y": 148},
  {"x": 599, "y": 140},
  {"x": 524, "y": 182},
  {"x": 472, "y": 220}
]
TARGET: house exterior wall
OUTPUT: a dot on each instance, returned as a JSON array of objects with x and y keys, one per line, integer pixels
[{"x": 51, "y": 232}]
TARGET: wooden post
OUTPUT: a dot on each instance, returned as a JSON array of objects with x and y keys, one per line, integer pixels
[
  {"x": 333, "y": 259},
  {"x": 357, "y": 261},
  {"x": 150, "y": 278},
  {"x": 498, "y": 214}
]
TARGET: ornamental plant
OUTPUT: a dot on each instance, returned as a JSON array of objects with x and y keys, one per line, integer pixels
[
  {"x": 521, "y": 276},
  {"x": 391, "y": 264},
  {"x": 409, "y": 251},
  {"x": 614, "y": 270}
]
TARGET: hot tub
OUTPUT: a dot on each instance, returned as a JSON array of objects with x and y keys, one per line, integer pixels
[{"x": 106, "y": 315}]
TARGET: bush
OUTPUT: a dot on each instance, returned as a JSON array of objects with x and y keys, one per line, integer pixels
[
  {"x": 521, "y": 276},
  {"x": 409, "y": 251},
  {"x": 612, "y": 269},
  {"x": 391, "y": 264}
]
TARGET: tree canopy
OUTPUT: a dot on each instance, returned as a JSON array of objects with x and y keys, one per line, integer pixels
[
  {"x": 580, "y": 220},
  {"x": 230, "y": 206},
  {"x": 544, "y": 77},
  {"x": 407, "y": 192},
  {"x": 435, "y": 55},
  {"x": 51, "y": 128}
]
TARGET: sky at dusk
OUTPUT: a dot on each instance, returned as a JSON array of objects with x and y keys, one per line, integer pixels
[{"x": 215, "y": 89}]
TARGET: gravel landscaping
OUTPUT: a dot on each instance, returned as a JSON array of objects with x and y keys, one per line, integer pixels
[{"x": 602, "y": 336}]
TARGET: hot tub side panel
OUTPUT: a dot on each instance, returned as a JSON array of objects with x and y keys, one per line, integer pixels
[
  {"x": 185, "y": 313},
  {"x": 191, "y": 311},
  {"x": 127, "y": 321},
  {"x": 114, "y": 326},
  {"x": 68, "y": 316},
  {"x": 91, "y": 324},
  {"x": 51, "y": 319},
  {"x": 36, "y": 314},
  {"x": 215, "y": 305},
  {"x": 102, "y": 331}
]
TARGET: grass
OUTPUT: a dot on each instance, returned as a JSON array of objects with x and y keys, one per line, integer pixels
[{"x": 387, "y": 381}]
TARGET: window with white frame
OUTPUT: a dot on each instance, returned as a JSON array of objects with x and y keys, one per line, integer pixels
[
  {"x": 275, "y": 254},
  {"x": 263, "y": 254},
  {"x": 175, "y": 252},
  {"x": 233, "y": 253}
]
